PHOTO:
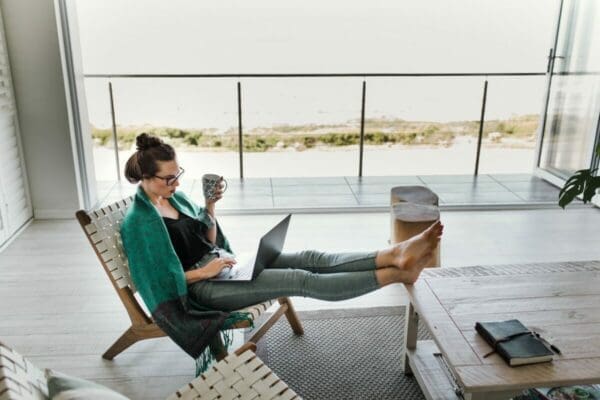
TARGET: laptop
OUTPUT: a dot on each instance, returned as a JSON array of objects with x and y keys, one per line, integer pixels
[{"x": 249, "y": 266}]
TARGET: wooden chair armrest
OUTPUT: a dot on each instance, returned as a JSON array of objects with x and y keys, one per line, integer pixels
[{"x": 246, "y": 346}]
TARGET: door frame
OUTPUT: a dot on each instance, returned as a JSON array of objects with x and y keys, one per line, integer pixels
[{"x": 545, "y": 173}]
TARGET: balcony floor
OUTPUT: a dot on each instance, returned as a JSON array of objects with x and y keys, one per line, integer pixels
[
  {"x": 346, "y": 194},
  {"x": 59, "y": 309}
]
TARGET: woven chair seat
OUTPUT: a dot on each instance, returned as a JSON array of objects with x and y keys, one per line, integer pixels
[
  {"x": 257, "y": 310},
  {"x": 242, "y": 376}
]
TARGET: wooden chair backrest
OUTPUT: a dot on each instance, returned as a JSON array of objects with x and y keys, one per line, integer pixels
[{"x": 102, "y": 228}]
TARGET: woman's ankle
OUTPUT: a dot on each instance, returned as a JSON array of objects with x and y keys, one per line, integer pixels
[{"x": 384, "y": 258}]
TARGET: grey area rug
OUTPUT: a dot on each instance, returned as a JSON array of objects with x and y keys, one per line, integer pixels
[{"x": 343, "y": 354}]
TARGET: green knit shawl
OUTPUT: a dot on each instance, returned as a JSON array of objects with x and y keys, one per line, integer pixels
[{"x": 159, "y": 276}]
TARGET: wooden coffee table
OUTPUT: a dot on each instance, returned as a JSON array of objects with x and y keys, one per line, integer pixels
[{"x": 559, "y": 300}]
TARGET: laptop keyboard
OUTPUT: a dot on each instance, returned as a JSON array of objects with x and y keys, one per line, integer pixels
[{"x": 240, "y": 273}]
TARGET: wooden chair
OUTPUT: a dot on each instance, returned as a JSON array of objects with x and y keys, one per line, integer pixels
[
  {"x": 240, "y": 375},
  {"x": 102, "y": 229}
]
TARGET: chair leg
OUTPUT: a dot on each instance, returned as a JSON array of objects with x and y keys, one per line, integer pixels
[
  {"x": 261, "y": 330},
  {"x": 217, "y": 347},
  {"x": 291, "y": 316},
  {"x": 127, "y": 339}
]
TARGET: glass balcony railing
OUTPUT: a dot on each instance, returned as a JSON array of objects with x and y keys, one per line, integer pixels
[{"x": 281, "y": 125}]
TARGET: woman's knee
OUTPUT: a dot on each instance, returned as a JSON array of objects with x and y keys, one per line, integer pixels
[
  {"x": 314, "y": 258},
  {"x": 296, "y": 281}
]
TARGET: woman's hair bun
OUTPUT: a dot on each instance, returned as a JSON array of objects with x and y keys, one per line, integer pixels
[
  {"x": 143, "y": 163},
  {"x": 145, "y": 142}
]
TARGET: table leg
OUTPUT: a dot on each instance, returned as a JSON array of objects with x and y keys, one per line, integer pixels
[{"x": 410, "y": 335}]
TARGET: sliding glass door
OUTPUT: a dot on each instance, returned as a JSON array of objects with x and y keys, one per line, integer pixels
[{"x": 570, "y": 126}]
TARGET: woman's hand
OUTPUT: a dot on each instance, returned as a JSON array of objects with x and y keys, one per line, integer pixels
[
  {"x": 210, "y": 270},
  {"x": 217, "y": 265}
]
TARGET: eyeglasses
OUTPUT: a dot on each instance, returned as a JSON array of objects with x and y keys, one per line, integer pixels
[{"x": 171, "y": 179}]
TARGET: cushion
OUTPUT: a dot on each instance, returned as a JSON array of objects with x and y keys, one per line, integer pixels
[{"x": 65, "y": 387}]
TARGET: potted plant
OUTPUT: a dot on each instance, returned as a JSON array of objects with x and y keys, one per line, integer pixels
[{"x": 583, "y": 182}]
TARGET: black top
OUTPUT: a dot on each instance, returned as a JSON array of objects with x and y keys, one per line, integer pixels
[{"x": 188, "y": 236}]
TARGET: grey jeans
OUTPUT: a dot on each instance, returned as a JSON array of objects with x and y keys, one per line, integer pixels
[{"x": 324, "y": 276}]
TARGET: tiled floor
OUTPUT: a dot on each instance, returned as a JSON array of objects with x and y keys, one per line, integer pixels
[{"x": 361, "y": 194}]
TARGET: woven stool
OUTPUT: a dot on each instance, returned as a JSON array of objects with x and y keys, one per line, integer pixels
[{"x": 413, "y": 209}]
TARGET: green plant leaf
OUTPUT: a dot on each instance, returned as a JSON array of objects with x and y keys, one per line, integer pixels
[
  {"x": 581, "y": 182},
  {"x": 574, "y": 186},
  {"x": 567, "y": 197},
  {"x": 575, "y": 181},
  {"x": 590, "y": 189}
]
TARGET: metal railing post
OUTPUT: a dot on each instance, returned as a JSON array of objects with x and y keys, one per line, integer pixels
[
  {"x": 114, "y": 129},
  {"x": 481, "y": 121},
  {"x": 362, "y": 130},
  {"x": 240, "y": 139}
]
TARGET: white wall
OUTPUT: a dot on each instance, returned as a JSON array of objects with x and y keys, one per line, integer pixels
[{"x": 33, "y": 45}]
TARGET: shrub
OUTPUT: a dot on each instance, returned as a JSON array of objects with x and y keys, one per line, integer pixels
[
  {"x": 379, "y": 138},
  {"x": 431, "y": 129},
  {"x": 126, "y": 138},
  {"x": 380, "y": 131},
  {"x": 256, "y": 143},
  {"x": 309, "y": 141},
  {"x": 177, "y": 133},
  {"x": 103, "y": 136},
  {"x": 193, "y": 138}
]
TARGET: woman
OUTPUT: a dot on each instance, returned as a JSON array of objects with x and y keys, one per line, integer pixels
[{"x": 172, "y": 246}]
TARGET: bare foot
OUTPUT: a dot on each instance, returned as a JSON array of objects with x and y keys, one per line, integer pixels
[
  {"x": 407, "y": 275},
  {"x": 418, "y": 249},
  {"x": 413, "y": 270}
]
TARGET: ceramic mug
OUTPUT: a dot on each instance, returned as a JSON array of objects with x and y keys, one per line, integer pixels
[{"x": 210, "y": 184}]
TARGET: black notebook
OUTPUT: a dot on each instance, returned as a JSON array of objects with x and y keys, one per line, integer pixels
[{"x": 514, "y": 342}]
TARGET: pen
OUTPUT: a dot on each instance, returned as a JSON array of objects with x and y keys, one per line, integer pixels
[{"x": 552, "y": 347}]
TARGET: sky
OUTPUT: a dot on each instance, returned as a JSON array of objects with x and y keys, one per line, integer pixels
[{"x": 308, "y": 36}]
